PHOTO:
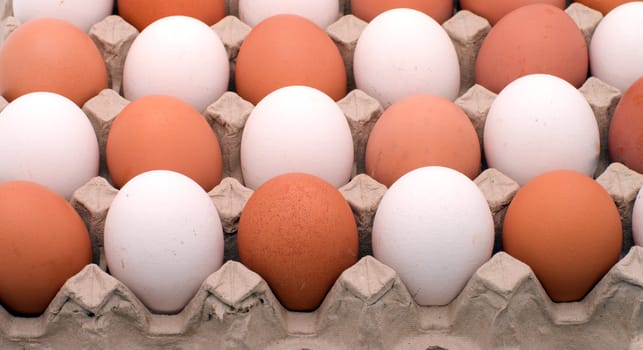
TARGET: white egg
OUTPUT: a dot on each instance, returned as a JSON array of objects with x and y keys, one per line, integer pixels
[
  {"x": 434, "y": 228},
  {"x": 616, "y": 49},
  {"x": 178, "y": 56},
  {"x": 81, "y": 13},
  {"x": 163, "y": 238},
  {"x": 322, "y": 12},
  {"x": 296, "y": 129},
  {"x": 540, "y": 123},
  {"x": 46, "y": 138},
  {"x": 391, "y": 62},
  {"x": 637, "y": 220}
]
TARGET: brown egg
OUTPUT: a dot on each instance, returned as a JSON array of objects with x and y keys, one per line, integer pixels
[
  {"x": 298, "y": 232},
  {"x": 604, "y": 6},
  {"x": 43, "y": 242},
  {"x": 532, "y": 39},
  {"x": 440, "y": 10},
  {"x": 418, "y": 131},
  {"x": 140, "y": 13},
  {"x": 565, "y": 226},
  {"x": 494, "y": 10},
  {"x": 288, "y": 50},
  {"x": 160, "y": 132},
  {"x": 625, "y": 137},
  {"x": 51, "y": 55}
]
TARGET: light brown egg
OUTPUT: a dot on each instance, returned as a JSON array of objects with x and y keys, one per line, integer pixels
[
  {"x": 140, "y": 13},
  {"x": 298, "y": 232},
  {"x": 494, "y": 10},
  {"x": 159, "y": 132},
  {"x": 288, "y": 50},
  {"x": 604, "y": 6},
  {"x": 439, "y": 10},
  {"x": 566, "y": 227},
  {"x": 533, "y": 39},
  {"x": 43, "y": 242},
  {"x": 418, "y": 131},
  {"x": 54, "y": 56}
]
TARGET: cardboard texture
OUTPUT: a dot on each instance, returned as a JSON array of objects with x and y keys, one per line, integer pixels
[{"x": 503, "y": 306}]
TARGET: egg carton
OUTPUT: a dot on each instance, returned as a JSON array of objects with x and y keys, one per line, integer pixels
[{"x": 502, "y": 306}]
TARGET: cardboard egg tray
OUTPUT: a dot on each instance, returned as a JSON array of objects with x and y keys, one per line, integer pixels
[{"x": 503, "y": 306}]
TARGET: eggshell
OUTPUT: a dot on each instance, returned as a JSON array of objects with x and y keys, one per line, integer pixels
[
  {"x": 298, "y": 232},
  {"x": 296, "y": 129},
  {"x": 615, "y": 50},
  {"x": 637, "y": 220},
  {"x": 43, "y": 242},
  {"x": 603, "y": 6},
  {"x": 418, "y": 131},
  {"x": 566, "y": 227},
  {"x": 163, "y": 132},
  {"x": 177, "y": 56},
  {"x": 46, "y": 138},
  {"x": 494, "y": 10},
  {"x": 80, "y": 13},
  {"x": 434, "y": 228},
  {"x": 532, "y": 39},
  {"x": 626, "y": 129},
  {"x": 163, "y": 238},
  {"x": 141, "y": 13},
  {"x": 51, "y": 55},
  {"x": 540, "y": 123},
  {"x": 390, "y": 63},
  {"x": 286, "y": 50},
  {"x": 440, "y": 10},
  {"x": 321, "y": 12}
]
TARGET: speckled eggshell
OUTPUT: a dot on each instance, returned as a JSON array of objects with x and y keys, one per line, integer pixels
[
  {"x": 566, "y": 227},
  {"x": 141, "y": 13},
  {"x": 532, "y": 39},
  {"x": 51, "y": 55},
  {"x": 615, "y": 52},
  {"x": 298, "y": 232},
  {"x": 163, "y": 132},
  {"x": 440, "y": 10},
  {"x": 434, "y": 228},
  {"x": 418, "y": 131},
  {"x": 625, "y": 134},
  {"x": 286, "y": 50},
  {"x": 494, "y": 10},
  {"x": 43, "y": 242}
]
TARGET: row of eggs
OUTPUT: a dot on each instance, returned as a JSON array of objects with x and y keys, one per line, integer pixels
[
  {"x": 163, "y": 237},
  {"x": 389, "y": 62}
]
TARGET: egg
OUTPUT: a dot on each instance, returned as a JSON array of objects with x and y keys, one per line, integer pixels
[
  {"x": 637, "y": 220},
  {"x": 615, "y": 51},
  {"x": 540, "y": 123},
  {"x": 390, "y": 63},
  {"x": 286, "y": 50},
  {"x": 163, "y": 238},
  {"x": 51, "y": 55},
  {"x": 603, "y": 6},
  {"x": 43, "y": 242},
  {"x": 46, "y": 138},
  {"x": 178, "y": 56},
  {"x": 533, "y": 39},
  {"x": 418, "y": 131},
  {"x": 141, "y": 13},
  {"x": 80, "y": 13},
  {"x": 626, "y": 129},
  {"x": 299, "y": 234},
  {"x": 296, "y": 129},
  {"x": 434, "y": 228},
  {"x": 440, "y": 10},
  {"x": 566, "y": 227},
  {"x": 321, "y": 12},
  {"x": 163, "y": 132},
  {"x": 494, "y": 10}
]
